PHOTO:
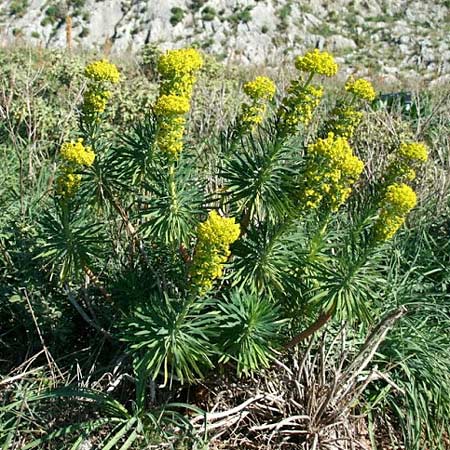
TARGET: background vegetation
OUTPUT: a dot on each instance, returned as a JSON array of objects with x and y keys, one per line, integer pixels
[{"x": 72, "y": 373}]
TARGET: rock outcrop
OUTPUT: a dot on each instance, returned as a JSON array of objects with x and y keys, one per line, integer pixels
[{"x": 389, "y": 37}]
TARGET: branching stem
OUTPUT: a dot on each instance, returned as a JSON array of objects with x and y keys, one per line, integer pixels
[{"x": 323, "y": 318}]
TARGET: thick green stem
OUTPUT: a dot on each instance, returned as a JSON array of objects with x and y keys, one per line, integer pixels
[
  {"x": 308, "y": 81},
  {"x": 172, "y": 185}
]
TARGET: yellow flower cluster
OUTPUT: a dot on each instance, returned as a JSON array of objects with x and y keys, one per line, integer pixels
[
  {"x": 74, "y": 155},
  {"x": 102, "y": 72},
  {"x": 298, "y": 106},
  {"x": 413, "y": 152},
  {"x": 96, "y": 101},
  {"x": 343, "y": 121},
  {"x": 361, "y": 88},
  {"x": 177, "y": 69},
  {"x": 167, "y": 105},
  {"x": 179, "y": 62},
  {"x": 100, "y": 75},
  {"x": 331, "y": 170},
  {"x": 317, "y": 62},
  {"x": 408, "y": 157},
  {"x": 67, "y": 183},
  {"x": 170, "y": 135},
  {"x": 303, "y": 98},
  {"x": 260, "y": 90},
  {"x": 397, "y": 202},
  {"x": 215, "y": 236}
]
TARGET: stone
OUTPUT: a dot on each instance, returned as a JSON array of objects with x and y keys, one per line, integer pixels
[
  {"x": 339, "y": 42},
  {"x": 404, "y": 39},
  {"x": 404, "y": 49},
  {"x": 440, "y": 81}
]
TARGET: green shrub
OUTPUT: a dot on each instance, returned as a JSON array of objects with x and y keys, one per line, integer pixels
[
  {"x": 208, "y": 13},
  {"x": 196, "y": 5},
  {"x": 54, "y": 14},
  {"x": 196, "y": 247},
  {"x": 177, "y": 15},
  {"x": 241, "y": 15},
  {"x": 249, "y": 330},
  {"x": 84, "y": 32},
  {"x": 18, "y": 7}
]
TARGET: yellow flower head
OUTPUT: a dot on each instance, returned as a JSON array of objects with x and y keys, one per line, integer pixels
[
  {"x": 215, "y": 236},
  {"x": 176, "y": 63},
  {"x": 299, "y": 105},
  {"x": 102, "y": 71},
  {"x": 170, "y": 135},
  {"x": 67, "y": 184},
  {"x": 261, "y": 88},
  {"x": 218, "y": 231},
  {"x": 252, "y": 115},
  {"x": 171, "y": 105},
  {"x": 387, "y": 225},
  {"x": 361, "y": 88},
  {"x": 343, "y": 121},
  {"x": 331, "y": 170},
  {"x": 177, "y": 69},
  {"x": 95, "y": 100},
  {"x": 413, "y": 151},
  {"x": 397, "y": 202},
  {"x": 408, "y": 157},
  {"x": 170, "y": 111},
  {"x": 338, "y": 151},
  {"x": 76, "y": 153},
  {"x": 315, "y": 61},
  {"x": 399, "y": 198}
]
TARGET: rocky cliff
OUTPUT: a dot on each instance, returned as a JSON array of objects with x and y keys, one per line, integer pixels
[{"x": 391, "y": 37}]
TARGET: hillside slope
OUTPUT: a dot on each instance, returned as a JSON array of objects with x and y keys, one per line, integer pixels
[{"x": 391, "y": 37}]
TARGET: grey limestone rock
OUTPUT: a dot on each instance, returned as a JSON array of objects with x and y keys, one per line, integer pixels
[{"x": 384, "y": 34}]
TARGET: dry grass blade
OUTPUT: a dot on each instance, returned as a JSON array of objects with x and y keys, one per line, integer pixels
[{"x": 305, "y": 401}]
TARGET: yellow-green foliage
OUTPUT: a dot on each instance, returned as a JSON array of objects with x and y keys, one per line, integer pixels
[
  {"x": 303, "y": 98},
  {"x": 343, "y": 121},
  {"x": 345, "y": 118},
  {"x": 317, "y": 62},
  {"x": 170, "y": 134},
  {"x": 361, "y": 88},
  {"x": 214, "y": 237},
  {"x": 298, "y": 105},
  {"x": 331, "y": 170},
  {"x": 100, "y": 74},
  {"x": 397, "y": 202},
  {"x": 406, "y": 160},
  {"x": 177, "y": 69},
  {"x": 74, "y": 156},
  {"x": 67, "y": 183},
  {"x": 95, "y": 100},
  {"x": 260, "y": 90}
]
